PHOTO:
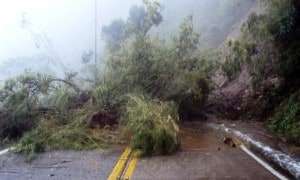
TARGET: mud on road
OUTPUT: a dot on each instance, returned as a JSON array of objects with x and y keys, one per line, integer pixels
[{"x": 203, "y": 156}]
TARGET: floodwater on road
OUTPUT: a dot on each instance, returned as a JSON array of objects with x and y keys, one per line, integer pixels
[{"x": 203, "y": 156}]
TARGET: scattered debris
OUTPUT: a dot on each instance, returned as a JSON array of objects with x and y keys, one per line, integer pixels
[{"x": 229, "y": 141}]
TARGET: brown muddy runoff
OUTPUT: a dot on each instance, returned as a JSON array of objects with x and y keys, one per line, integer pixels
[{"x": 203, "y": 155}]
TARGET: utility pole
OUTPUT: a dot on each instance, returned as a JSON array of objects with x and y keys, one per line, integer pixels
[
  {"x": 96, "y": 32},
  {"x": 96, "y": 42}
]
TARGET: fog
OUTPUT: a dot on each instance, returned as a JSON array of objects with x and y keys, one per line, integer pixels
[{"x": 45, "y": 35}]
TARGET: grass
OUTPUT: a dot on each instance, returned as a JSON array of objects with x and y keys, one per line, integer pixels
[
  {"x": 153, "y": 125},
  {"x": 51, "y": 134}
]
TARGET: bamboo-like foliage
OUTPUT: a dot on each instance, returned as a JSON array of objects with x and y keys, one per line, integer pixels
[{"x": 153, "y": 125}]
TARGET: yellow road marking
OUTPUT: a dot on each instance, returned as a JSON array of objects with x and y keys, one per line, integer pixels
[
  {"x": 131, "y": 166},
  {"x": 120, "y": 166}
]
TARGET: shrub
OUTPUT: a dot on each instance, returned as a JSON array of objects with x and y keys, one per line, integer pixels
[
  {"x": 26, "y": 98},
  {"x": 233, "y": 60},
  {"x": 192, "y": 100},
  {"x": 153, "y": 125},
  {"x": 50, "y": 134},
  {"x": 61, "y": 99},
  {"x": 19, "y": 98},
  {"x": 289, "y": 66},
  {"x": 275, "y": 41},
  {"x": 286, "y": 120},
  {"x": 106, "y": 97}
]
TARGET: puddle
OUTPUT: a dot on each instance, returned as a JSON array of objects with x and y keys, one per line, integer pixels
[{"x": 201, "y": 138}]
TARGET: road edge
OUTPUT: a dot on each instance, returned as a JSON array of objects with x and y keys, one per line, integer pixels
[{"x": 278, "y": 158}]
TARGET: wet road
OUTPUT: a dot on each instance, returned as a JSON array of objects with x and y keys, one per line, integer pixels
[
  {"x": 67, "y": 165},
  {"x": 203, "y": 156}
]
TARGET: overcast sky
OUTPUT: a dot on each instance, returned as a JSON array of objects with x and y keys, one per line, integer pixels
[{"x": 68, "y": 24}]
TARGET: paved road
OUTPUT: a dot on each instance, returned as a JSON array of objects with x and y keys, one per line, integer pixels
[
  {"x": 67, "y": 165},
  {"x": 203, "y": 156}
]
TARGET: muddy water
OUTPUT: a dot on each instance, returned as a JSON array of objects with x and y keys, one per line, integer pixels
[
  {"x": 203, "y": 156},
  {"x": 200, "y": 139}
]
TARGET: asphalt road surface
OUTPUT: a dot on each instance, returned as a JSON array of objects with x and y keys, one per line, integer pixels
[
  {"x": 203, "y": 156},
  {"x": 59, "y": 166}
]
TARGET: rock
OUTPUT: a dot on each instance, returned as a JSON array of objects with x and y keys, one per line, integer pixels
[
  {"x": 229, "y": 141},
  {"x": 102, "y": 119}
]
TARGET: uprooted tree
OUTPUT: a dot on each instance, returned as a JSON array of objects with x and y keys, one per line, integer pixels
[{"x": 161, "y": 79}]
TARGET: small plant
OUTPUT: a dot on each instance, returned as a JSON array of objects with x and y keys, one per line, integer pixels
[
  {"x": 153, "y": 125},
  {"x": 286, "y": 120}
]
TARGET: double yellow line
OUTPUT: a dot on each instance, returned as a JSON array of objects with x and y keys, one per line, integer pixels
[{"x": 125, "y": 166}]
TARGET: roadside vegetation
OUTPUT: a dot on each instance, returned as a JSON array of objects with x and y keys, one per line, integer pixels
[
  {"x": 285, "y": 121},
  {"x": 153, "y": 125},
  {"x": 147, "y": 85},
  {"x": 269, "y": 49}
]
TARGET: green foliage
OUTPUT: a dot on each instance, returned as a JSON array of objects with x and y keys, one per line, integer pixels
[
  {"x": 143, "y": 18},
  {"x": 289, "y": 65},
  {"x": 256, "y": 29},
  {"x": 255, "y": 50},
  {"x": 114, "y": 34},
  {"x": 234, "y": 59},
  {"x": 161, "y": 70},
  {"x": 135, "y": 66},
  {"x": 286, "y": 120},
  {"x": 269, "y": 43},
  {"x": 192, "y": 102},
  {"x": 107, "y": 96},
  {"x": 278, "y": 22},
  {"x": 153, "y": 125},
  {"x": 103, "y": 97},
  {"x": 140, "y": 21},
  {"x": 20, "y": 100},
  {"x": 25, "y": 98},
  {"x": 51, "y": 134},
  {"x": 188, "y": 40},
  {"x": 282, "y": 17},
  {"x": 173, "y": 71},
  {"x": 136, "y": 63},
  {"x": 61, "y": 99}
]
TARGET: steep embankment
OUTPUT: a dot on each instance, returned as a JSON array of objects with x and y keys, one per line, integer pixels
[
  {"x": 236, "y": 99},
  {"x": 229, "y": 96}
]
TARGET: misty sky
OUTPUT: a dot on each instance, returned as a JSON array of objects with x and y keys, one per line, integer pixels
[
  {"x": 68, "y": 24},
  {"x": 64, "y": 29}
]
